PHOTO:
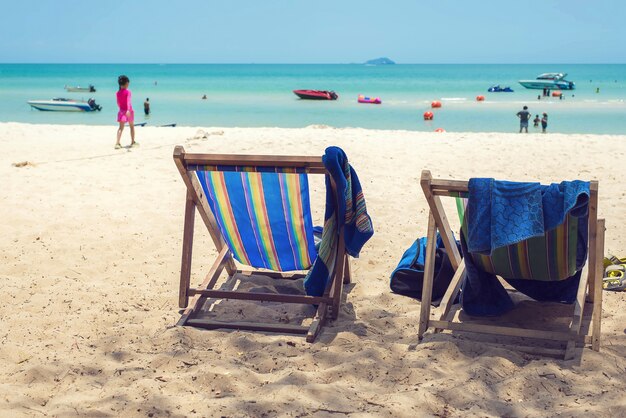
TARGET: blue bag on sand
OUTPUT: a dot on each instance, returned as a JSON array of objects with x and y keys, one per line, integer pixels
[{"x": 408, "y": 277}]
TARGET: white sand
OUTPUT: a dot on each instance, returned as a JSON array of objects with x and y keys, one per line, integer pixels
[{"x": 90, "y": 258}]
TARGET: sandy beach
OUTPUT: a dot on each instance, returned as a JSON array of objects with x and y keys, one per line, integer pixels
[{"x": 90, "y": 261}]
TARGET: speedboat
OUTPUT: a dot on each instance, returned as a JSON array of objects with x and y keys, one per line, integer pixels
[
  {"x": 65, "y": 105},
  {"x": 79, "y": 89},
  {"x": 550, "y": 81},
  {"x": 316, "y": 94},
  {"x": 498, "y": 89}
]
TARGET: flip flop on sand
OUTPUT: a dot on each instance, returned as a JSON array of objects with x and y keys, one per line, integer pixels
[
  {"x": 134, "y": 144},
  {"x": 118, "y": 146},
  {"x": 612, "y": 260},
  {"x": 615, "y": 278}
]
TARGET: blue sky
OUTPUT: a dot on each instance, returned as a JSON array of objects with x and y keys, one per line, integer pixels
[{"x": 320, "y": 31}]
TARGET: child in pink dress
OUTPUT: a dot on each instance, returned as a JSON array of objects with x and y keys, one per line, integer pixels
[{"x": 126, "y": 113}]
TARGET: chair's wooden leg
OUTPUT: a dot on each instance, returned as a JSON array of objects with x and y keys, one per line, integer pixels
[
  {"x": 195, "y": 189},
  {"x": 451, "y": 293},
  {"x": 570, "y": 350},
  {"x": 429, "y": 273},
  {"x": 208, "y": 283},
  {"x": 347, "y": 273},
  {"x": 596, "y": 321},
  {"x": 436, "y": 209},
  {"x": 593, "y": 256},
  {"x": 336, "y": 291},
  {"x": 338, "y": 275},
  {"x": 318, "y": 322},
  {"x": 248, "y": 326},
  {"x": 577, "y": 317},
  {"x": 185, "y": 267}
]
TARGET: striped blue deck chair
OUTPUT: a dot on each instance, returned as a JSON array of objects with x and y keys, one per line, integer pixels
[
  {"x": 548, "y": 258},
  {"x": 257, "y": 211}
]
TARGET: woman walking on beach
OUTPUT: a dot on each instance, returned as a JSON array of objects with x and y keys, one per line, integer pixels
[{"x": 126, "y": 114}]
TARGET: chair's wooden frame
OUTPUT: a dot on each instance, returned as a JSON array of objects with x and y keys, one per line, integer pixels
[
  {"x": 589, "y": 290},
  {"x": 327, "y": 305}
]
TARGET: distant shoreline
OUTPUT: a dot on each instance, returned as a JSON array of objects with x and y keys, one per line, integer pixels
[
  {"x": 313, "y": 128},
  {"x": 262, "y": 95}
]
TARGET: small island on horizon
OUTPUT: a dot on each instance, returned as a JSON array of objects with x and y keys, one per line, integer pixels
[{"x": 380, "y": 61}]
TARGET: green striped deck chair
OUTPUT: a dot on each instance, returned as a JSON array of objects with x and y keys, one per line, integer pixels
[
  {"x": 551, "y": 257},
  {"x": 257, "y": 212}
]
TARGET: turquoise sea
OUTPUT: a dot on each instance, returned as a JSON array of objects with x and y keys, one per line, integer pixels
[{"x": 261, "y": 95}]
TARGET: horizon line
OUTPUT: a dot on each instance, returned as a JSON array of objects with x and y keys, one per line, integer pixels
[{"x": 311, "y": 63}]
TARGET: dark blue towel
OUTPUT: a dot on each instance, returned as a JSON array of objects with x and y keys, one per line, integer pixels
[
  {"x": 350, "y": 213},
  {"x": 357, "y": 224},
  {"x": 501, "y": 213}
]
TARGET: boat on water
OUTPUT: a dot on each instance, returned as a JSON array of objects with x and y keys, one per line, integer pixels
[
  {"x": 371, "y": 100},
  {"x": 550, "y": 81},
  {"x": 65, "y": 105},
  {"x": 79, "y": 89},
  {"x": 497, "y": 89},
  {"x": 316, "y": 94}
]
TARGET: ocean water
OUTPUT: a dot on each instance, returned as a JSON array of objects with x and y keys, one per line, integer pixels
[{"x": 261, "y": 95}]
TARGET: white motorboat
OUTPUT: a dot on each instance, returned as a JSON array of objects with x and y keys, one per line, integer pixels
[
  {"x": 79, "y": 89},
  {"x": 551, "y": 81},
  {"x": 65, "y": 105}
]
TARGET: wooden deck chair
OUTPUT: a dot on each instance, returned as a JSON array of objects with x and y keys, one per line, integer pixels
[
  {"x": 257, "y": 211},
  {"x": 589, "y": 295}
]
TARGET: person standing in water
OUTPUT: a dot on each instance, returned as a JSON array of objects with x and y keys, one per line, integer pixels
[
  {"x": 524, "y": 116},
  {"x": 126, "y": 114},
  {"x": 544, "y": 123},
  {"x": 536, "y": 121},
  {"x": 146, "y": 106}
]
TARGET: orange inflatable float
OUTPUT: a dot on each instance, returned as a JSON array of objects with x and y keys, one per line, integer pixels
[
  {"x": 480, "y": 98},
  {"x": 428, "y": 115},
  {"x": 435, "y": 104}
]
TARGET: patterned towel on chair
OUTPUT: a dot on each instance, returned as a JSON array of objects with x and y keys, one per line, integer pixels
[
  {"x": 501, "y": 213},
  {"x": 350, "y": 213}
]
